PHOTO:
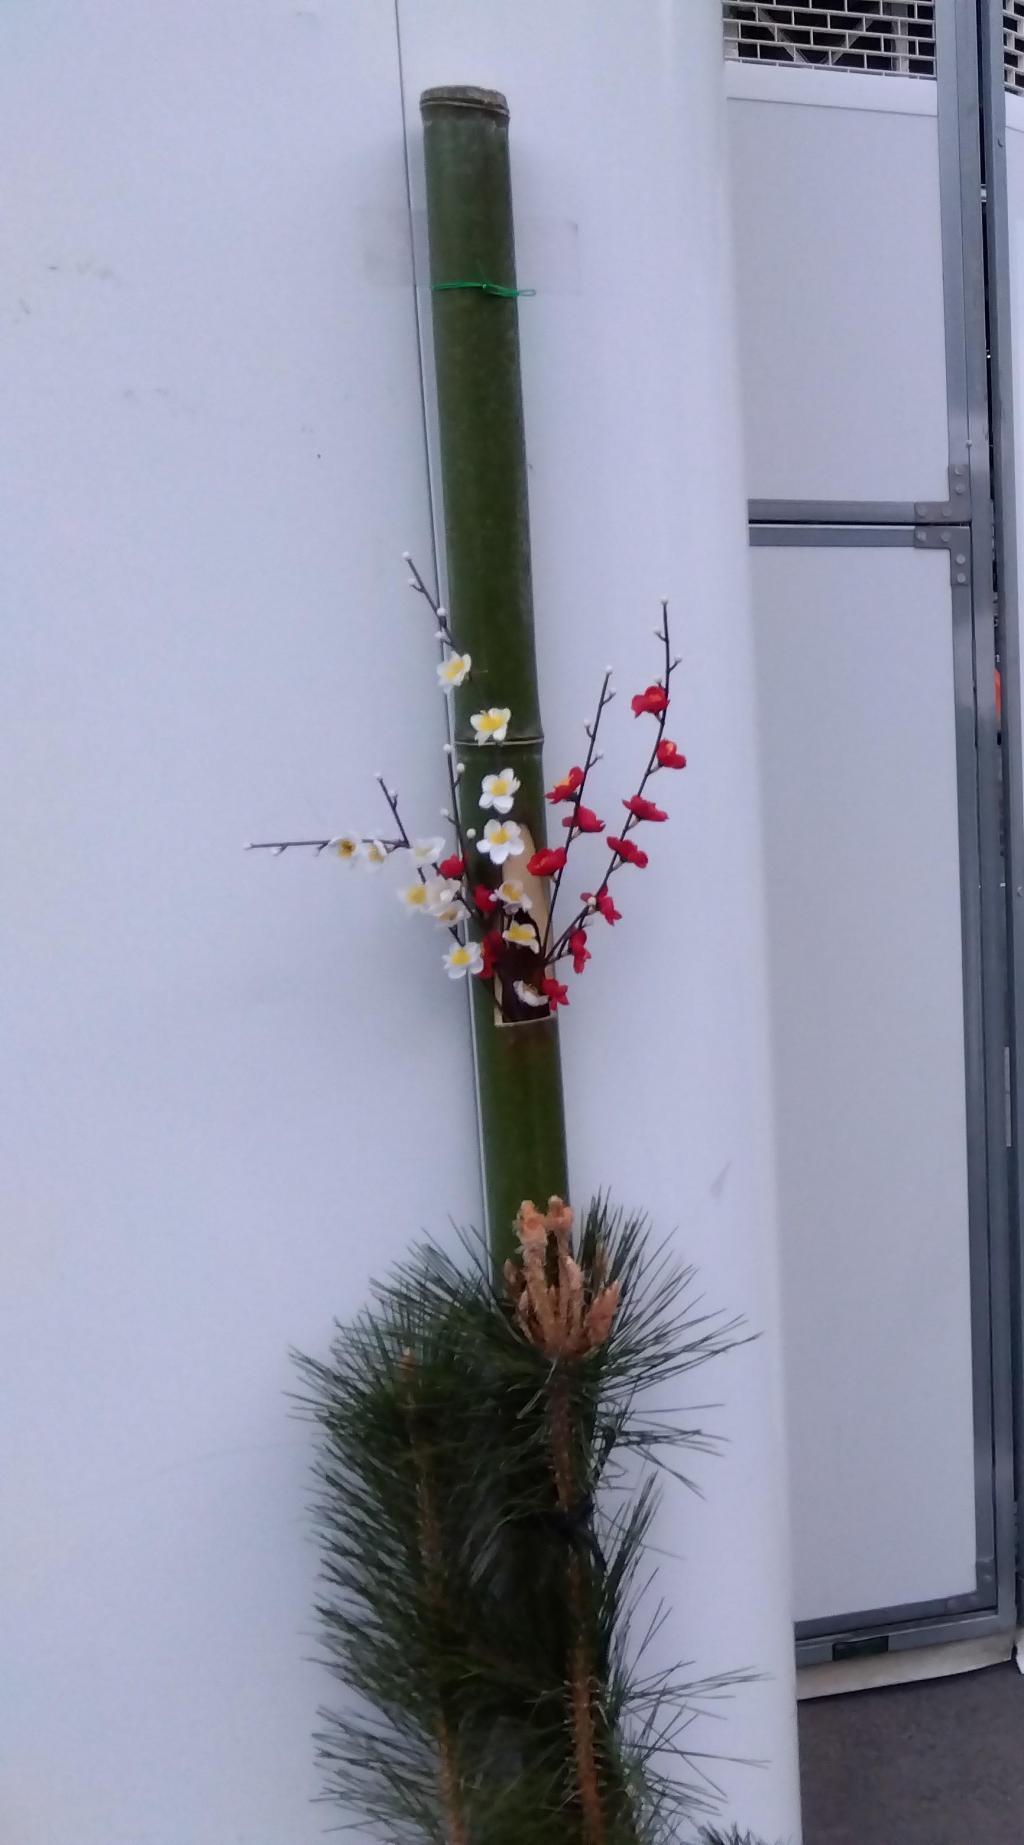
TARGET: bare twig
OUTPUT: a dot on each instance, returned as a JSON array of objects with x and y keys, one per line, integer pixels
[
  {"x": 592, "y": 729},
  {"x": 278, "y": 846},
  {"x": 454, "y": 777},
  {"x": 392, "y": 800},
  {"x": 440, "y": 614}
]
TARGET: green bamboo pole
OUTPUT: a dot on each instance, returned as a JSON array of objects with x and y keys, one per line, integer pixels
[{"x": 487, "y": 546}]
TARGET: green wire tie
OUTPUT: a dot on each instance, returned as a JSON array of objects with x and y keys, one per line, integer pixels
[{"x": 485, "y": 288}]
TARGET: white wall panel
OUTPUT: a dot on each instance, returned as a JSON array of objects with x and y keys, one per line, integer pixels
[
  {"x": 856, "y": 712},
  {"x": 617, "y": 137},
  {"x": 839, "y": 270},
  {"x": 234, "y": 1087}
]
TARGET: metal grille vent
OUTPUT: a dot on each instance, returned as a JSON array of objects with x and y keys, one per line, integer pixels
[
  {"x": 894, "y": 37},
  {"x": 1013, "y": 44}
]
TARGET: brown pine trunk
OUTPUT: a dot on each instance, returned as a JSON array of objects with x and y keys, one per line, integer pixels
[
  {"x": 431, "y": 1551},
  {"x": 581, "y": 1689}
]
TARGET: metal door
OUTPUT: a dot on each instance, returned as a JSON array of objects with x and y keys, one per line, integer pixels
[{"x": 861, "y": 252}]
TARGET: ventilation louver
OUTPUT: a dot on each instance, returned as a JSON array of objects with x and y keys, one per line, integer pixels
[
  {"x": 1013, "y": 44},
  {"x": 891, "y": 37}
]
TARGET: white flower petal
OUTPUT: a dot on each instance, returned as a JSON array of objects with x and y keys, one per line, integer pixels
[
  {"x": 347, "y": 847},
  {"x": 439, "y": 895},
  {"x": 498, "y": 791},
  {"x": 491, "y": 726},
  {"x": 454, "y": 670},
  {"x": 523, "y": 935},
  {"x": 374, "y": 854},
  {"x": 501, "y": 839},
  {"x": 512, "y": 894},
  {"x": 529, "y": 995},
  {"x": 427, "y": 851},
  {"x": 463, "y": 959}
]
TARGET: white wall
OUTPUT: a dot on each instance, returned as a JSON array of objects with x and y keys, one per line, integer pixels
[
  {"x": 237, "y": 1086},
  {"x": 216, "y": 1064}
]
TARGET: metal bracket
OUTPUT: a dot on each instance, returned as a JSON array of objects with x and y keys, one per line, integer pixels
[
  {"x": 955, "y": 540},
  {"x": 957, "y": 507}
]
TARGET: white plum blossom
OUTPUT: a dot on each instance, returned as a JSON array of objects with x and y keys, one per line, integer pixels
[
  {"x": 374, "y": 854},
  {"x": 347, "y": 847},
  {"x": 529, "y": 995},
  {"x": 465, "y": 958},
  {"x": 454, "y": 670},
  {"x": 427, "y": 851},
  {"x": 455, "y": 913},
  {"x": 498, "y": 791},
  {"x": 523, "y": 934},
  {"x": 414, "y": 897},
  {"x": 440, "y": 896},
  {"x": 501, "y": 839},
  {"x": 512, "y": 893},
  {"x": 492, "y": 726}
]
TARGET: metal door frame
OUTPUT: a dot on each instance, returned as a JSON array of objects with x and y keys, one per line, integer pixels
[
  {"x": 969, "y": 63},
  {"x": 992, "y": 91}
]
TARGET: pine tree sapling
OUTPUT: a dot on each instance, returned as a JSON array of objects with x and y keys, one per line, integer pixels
[{"x": 485, "y": 1543}]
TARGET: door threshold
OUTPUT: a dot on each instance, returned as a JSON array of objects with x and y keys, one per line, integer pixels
[{"x": 837, "y": 1677}]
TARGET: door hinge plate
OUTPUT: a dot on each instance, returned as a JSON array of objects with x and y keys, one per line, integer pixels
[{"x": 957, "y": 508}]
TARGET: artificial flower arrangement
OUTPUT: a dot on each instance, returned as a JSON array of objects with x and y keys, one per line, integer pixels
[{"x": 485, "y": 885}]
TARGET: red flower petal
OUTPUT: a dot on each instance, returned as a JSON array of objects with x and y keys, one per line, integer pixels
[
  {"x": 492, "y": 947},
  {"x": 628, "y": 851},
  {"x": 654, "y": 701},
  {"x": 547, "y": 861},
  {"x": 564, "y": 790},
  {"x": 452, "y": 868},
  {"x": 485, "y": 900},
  {"x": 579, "y": 950},
  {"x": 604, "y": 903},
  {"x": 584, "y": 820},
  {"x": 554, "y": 992},
  {"x": 644, "y": 809},
  {"x": 669, "y": 755}
]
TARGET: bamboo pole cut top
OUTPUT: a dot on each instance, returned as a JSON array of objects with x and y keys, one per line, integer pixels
[{"x": 465, "y": 96}]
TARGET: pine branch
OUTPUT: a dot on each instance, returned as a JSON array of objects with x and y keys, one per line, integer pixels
[{"x": 486, "y": 1572}]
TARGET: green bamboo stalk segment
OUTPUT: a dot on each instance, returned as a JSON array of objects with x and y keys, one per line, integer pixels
[{"x": 487, "y": 547}]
